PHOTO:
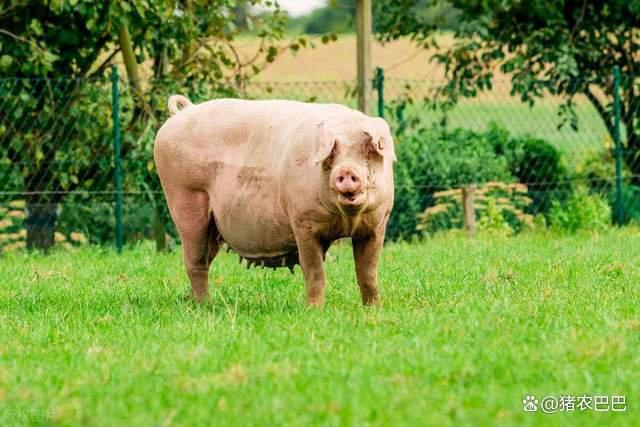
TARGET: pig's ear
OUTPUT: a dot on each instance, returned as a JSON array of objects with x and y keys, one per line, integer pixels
[
  {"x": 325, "y": 143},
  {"x": 378, "y": 139}
]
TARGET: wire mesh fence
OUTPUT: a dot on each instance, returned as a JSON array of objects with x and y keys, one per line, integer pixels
[{"x": 58, "y": 180}]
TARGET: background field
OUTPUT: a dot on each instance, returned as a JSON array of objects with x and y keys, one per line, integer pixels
[
  {"x": 467, "y": 329},
  {"x": 336, "y": 60}
]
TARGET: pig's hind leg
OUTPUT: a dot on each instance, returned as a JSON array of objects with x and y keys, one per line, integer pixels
[{"x": 191, "y": 214}]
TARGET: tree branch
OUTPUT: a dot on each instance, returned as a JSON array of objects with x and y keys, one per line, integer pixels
[
  {"x": 23, "y": 40},
  {"x": 129, "y": 58},
  {"x": 104, "y": 63}
]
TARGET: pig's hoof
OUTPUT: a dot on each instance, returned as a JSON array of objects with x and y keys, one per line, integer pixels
[
  {"x": 315, "y": 303},
  {"x": 189, "y": 295},
  {"x": 371, "y": 301}
]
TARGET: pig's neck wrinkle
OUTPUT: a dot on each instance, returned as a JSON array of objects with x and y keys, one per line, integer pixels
[{"x": 342, "y": 226}]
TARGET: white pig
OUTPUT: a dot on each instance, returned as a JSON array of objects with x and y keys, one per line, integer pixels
[{"x": 276, "y": 181}]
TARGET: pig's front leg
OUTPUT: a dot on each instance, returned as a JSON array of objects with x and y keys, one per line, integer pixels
[
  {"x": 310, "y": 254},
  {"x": 366, "y": 252}
]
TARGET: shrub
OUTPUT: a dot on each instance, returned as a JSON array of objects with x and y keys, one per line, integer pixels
[
  {"x": 581, "y": 211},
  {"x": 13, "y": 233},
  {"x": 431, "y": 159},
  {"x": 630, "y": 203},
  {"x": 500, "y": 210},
  {"x": 598, "y": 171},
  {"x": 535, "y": 163},
  {"x": 493, "y": 221},
  {"x": 402, "y": 223}
]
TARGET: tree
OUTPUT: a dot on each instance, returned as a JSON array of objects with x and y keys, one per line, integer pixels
[
  {"x": 562, "y": 47},
  {"x": 337, "y": 16},
  {"x": 55, "y": 121}
]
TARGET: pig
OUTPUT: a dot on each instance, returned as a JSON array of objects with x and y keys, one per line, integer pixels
[{"x": 277, "y": 182}]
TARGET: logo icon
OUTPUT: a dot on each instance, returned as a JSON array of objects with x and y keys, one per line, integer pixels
[{"x": 530, "y": 404}]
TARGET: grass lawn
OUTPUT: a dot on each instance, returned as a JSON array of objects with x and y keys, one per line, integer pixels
[{"x": 466, "y": 331}]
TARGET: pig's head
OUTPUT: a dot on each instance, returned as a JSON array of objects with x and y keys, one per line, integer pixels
[{"x": 356, "y": 162}]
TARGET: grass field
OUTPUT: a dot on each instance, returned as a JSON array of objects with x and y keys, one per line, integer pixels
[{"x": 467, "y": 329}]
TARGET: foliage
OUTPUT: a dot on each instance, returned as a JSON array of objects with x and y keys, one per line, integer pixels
[
  {"x": 493, "y": 222},
  {"x": 451, "y": 345},
  {"x": 500, "y": 209},
  {"x": 336, "y": 17},
  {"x": 597, "y": 171},
  {"x": 434, "y": 14},
  {"x": 13, "y": 232},
  {"x": 565, "y": 48},
  {"x": 51, "y": 39},
  {"x": 597, "y": 168},
  {"x": 630, "y": 203},
  {"x": 431, "y": 159},
  {"x": 581, "y": 211},
  {"x": 402, "y": 223},
  {"x": 535, "y": 163}
]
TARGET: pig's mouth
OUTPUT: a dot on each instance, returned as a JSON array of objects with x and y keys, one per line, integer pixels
[{"x": 352, "y": 198}]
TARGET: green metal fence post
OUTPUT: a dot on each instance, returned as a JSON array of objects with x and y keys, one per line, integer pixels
[
  {"x": 618, "y": 215},
  {"x": 117, "y": 157},
  {"x": 379, "y": 83},
  {"x": 402, "y": 123}
]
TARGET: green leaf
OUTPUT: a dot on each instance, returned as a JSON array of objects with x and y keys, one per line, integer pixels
[
  {"x": 5, "y": 61},
  {"x": 36, "y": 27}
]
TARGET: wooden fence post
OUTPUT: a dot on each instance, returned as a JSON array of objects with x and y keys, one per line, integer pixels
[
  {"x": 363, "y": 31},
  {"x": 468, "y": 209}
]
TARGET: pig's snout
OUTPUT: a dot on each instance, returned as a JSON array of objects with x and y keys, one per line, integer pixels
[
  {"x": 350, "y": 184},
  {"x": 347, "y": 182}
]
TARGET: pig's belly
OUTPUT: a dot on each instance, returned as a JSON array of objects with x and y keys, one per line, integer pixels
[{"x": 254, "y": 226}]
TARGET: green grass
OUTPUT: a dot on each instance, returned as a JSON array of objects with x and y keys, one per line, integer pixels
[{"x": 467, "y": 329}]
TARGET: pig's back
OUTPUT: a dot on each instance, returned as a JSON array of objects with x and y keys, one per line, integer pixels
[
  {"x": 237, "y": 133},
  {"x": 251, "y": 132}
]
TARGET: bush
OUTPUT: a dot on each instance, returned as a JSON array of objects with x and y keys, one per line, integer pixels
[
  {"x": 630, "y": 203},
  {"x": 329, "y": 19},
  {"x": 581, "y": 211},
  {"x": 402, "y": 223},
  {"x": 598, "y": 171},
  {"x": 13, "y": 232},
  {"x": 535, "y": 163},
  {"x": 500, "y": 210},
  {"x": 493, "y": 221},
  {"x": 434, "y": 159}
]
